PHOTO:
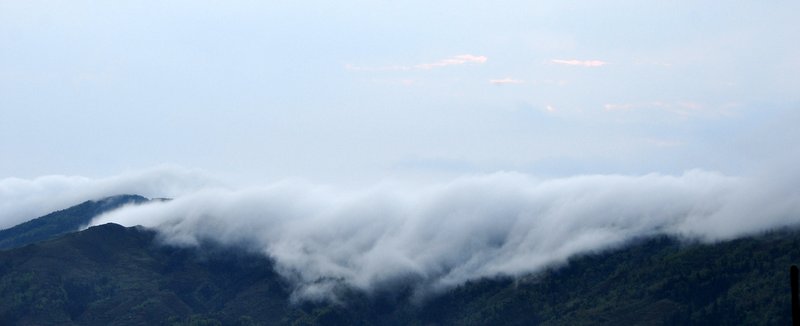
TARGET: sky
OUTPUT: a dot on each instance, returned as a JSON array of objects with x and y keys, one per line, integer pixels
[
  {"x": 356, "y": 92},
  {"x": 368, "y": 142}
]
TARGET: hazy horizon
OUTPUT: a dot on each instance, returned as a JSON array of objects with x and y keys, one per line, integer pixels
[{"x": 357, "y": 92}]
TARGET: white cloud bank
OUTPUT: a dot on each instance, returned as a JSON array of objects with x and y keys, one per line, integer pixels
[
  {"x": 25, "y": 199},
  {"x": 441, "y": 235}
]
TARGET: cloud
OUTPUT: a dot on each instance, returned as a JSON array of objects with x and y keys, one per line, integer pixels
[
  {"x": 436, "y": 236},
  {"x": 456, "y": 60},
  {"x": 452, "y": 61},
  {"x": 584, "y": 63},
  {"x": 506, "y": 81},
  {"x": 25, "y": 199}
]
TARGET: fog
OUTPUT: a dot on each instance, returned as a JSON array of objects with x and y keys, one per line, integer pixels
[
  {"x": 25, "y": 199},
  {"x": 435, "y": 236}
]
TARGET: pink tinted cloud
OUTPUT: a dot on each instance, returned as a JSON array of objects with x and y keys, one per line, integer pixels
[
  {"x": 582, "y": 63},
  {"x": 506, "y": 81},
  {"x": 460, "y": 59},
  {"x": 456, "y": 60}
]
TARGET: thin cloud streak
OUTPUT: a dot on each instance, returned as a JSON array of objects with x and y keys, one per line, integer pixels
[
  {"x": 456, "y": 60},
  {"x": 452, "y": 61},
  {"x": 582, "y": 63},
  {"x": 506, "y": 81}
]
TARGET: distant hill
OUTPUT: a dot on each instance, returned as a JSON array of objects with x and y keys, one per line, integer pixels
[
  {"x": 63, "y": 221},
  {"x": 112, "y": 275}
]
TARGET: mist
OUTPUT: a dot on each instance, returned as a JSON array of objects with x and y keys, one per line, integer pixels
[
  {"x": 25, "y": 199},
  {"x": 439, "y": 235}
]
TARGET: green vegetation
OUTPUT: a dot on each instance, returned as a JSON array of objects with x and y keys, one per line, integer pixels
[
  {"x": 112, "y": 275},
  {"x": 652, "y": 282},
  {"x": 61, "y": 222}
]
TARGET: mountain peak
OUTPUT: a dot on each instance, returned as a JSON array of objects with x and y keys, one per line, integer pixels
[{"x": 64, "y": 221}]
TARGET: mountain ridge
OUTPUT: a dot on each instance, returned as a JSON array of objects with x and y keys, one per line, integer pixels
[
  {"x": 63, "y": 221},
  {"x": 114, "y": 275}
]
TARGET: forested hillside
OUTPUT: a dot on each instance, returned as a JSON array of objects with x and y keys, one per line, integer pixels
[
  {"x": 64, "y": 221},
  {"x": 112, "y": 275}
]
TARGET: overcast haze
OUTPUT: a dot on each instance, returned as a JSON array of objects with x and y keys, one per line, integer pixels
[
  {"x": 444, "y": 140},
  {"x": 360, "y": 91}
]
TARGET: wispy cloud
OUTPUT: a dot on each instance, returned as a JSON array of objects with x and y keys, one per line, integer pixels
[
  {"x": 456, "y": 60},
  {"x": 460, "y": 59},
  {"x": 582, "y": 63},
  {"x": 506, "y": 81}
]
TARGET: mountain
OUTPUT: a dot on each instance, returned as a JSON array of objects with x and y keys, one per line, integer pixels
[
  {"x": 112, "y": 275},
  {"x": 63, "y": 221}
]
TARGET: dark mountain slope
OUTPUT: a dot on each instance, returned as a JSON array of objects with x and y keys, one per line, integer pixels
[
  {"x": 64, "y": 221},
  {"x": 111, "y": 275},
  {"x": 652, "y": 282}
]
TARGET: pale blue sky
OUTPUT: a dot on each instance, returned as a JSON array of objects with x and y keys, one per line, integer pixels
[{"x": 359, "y": 91}]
